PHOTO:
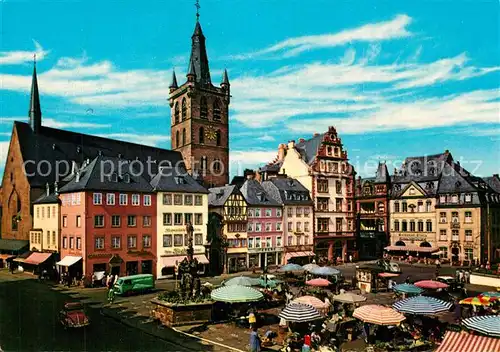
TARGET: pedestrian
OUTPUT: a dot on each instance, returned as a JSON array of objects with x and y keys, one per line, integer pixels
[
  {"x": 115, "y": 280},
  {"x": 111, "y": 295},
  {"x": 438, "y": 264},
  {"x": 254, "y": 341},
  {"x": 467, "y": 277},
  {"x": 461, "y": 276},
  {"x": 252, "y": 320},
  {"x": 407, "y": 281},
  {"x": 350, "y": 258}
]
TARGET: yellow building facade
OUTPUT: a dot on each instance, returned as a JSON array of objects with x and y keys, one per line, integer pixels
[{"x": 45, "y": 235}]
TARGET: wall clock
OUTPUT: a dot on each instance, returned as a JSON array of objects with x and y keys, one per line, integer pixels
[{"x": 210, "y": 133}]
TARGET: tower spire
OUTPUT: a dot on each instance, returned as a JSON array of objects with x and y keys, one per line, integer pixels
[
  {"x": 35, "y": 112},
  {"x": 197, "y": 5},
  {"x": 199, "y": 58},
  {"x": 173, "y": 83}
]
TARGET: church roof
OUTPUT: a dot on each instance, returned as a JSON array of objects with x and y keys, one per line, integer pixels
[
  {"x": 255, "y": 194},
  {"x": 199, "y": 59},
  {"x": 51, "y": 145}
]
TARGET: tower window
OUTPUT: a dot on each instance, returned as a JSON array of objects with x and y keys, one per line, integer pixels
[
  {"x": 176, "y": 113},
  {"x": 183, "y": 136},
  {"x": 217, "y": 165},
  {"x": 203, "y": 164},
  {"x": 201, "y": 136},
  {"x": 218, "y": 138},
  {"x": 177, "y": 139},
  {"x": 203, "y": 108},
  {"x": 216, "y": 110},
  {"x": 184, "y": 109}
]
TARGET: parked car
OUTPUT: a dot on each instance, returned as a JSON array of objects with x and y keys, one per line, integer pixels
[
  {"x": 73, "y": 316},
  {"x": 454, "y": 285},
  {"x": 389, "y": 266},
  {"x": 134, "y": 284}
]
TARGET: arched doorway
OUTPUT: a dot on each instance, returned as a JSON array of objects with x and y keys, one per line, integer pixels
[
  {"x": 400, "y": 244},
  {"x": 337, "y": 249},
  {"x": 425, "y": 244},
  {"x": 455, "y": 252}
]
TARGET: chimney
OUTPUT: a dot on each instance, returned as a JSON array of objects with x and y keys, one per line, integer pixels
[
  {"x": 74, "y": 167},
  {"x": 56, "y": 188},
  {"x": 316, "y": 134},
  {"x": 77, "y": 176},
  {"x": 291, "y": 144},
  {"x": 281, "y": 151},
  {"x": 47, "y": 188}
]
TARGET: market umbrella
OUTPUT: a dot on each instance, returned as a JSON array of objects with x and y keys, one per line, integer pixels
[
  {"x": 349, "y": 297},
  {"x": 300, "y": 313},
  {"x": 487, "y": 324},
  {"x": 318, "y": 282},
  {"x": 242, "y": 281},
  {"x": 309, "y": 267},
  {"x": 490, "y": 294},
  {"x": 321, "y": 306},
  {"x": 291, "y": 267},
  {"x": 478, "y": 301},
  {"x": 269, "y": 283},
  {"x": 422, "y": 305},
  {"x": 408, "y": 288},
  {"x": 325, "y": 271},
  {"x": 378, "y": 315},
  {"x": 236, "y": 294},
  {"x": 430, "y": 284}
]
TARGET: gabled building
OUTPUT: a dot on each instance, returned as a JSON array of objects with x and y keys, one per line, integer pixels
[
  {"x": 108, "y": 216},
  {"x": 321, "y": 165},
  {"x": 45, "y": 235},
  {"x": 298, "y": 219},
  {"x": 231, "y": 207},
  {"x": 181, "y": 201},
  {"x": 264, "y": 227}
]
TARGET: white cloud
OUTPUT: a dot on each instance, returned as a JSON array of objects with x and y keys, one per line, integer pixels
[
  {"x": 373, "y": 32},
  {"x": 147, "y": 139},
  {"x": 49, "y": 122},
  {"x": 266, "y": 138},
  {"x": 21, "y": 57},
  {"x": 241, "y": 159}
]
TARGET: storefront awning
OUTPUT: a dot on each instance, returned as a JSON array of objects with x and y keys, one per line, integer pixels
[
  {"x": 13, "y": 245},
  {"x": 298, "y": 254},
  {"x": 6, "y": 256},
  {"x": 22, "y": 258},
  {"x": 463, "y": 342},
  {"x": 169, "y": 262},
  {"x": 68, "y": 260},
  {"x": 37, "y": 258},
  {"x": 412, "y": 249}
]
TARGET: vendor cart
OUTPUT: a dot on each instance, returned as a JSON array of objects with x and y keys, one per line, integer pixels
[{"x": 368, "y": 279}]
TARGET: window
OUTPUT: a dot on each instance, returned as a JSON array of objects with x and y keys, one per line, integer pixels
[
  {"x": 98, "y": 220},
  {"x": 428, "y": 226},
  {"x": 110, "y": 198},
  {"x": 278, "y": 226},
  {"x": 298, "y": 211},
  {"x": 338, "y": 204},
  {"x": 338, "y": 186},
  {"x": 420, "y": 226},
  {"x": 322, "y": 204},
  {"x": 405, "y": 207},
  {"x": 123, "y": 199},
  {"x": 257, "y": 242},
  {"x": 176, "y": 113},
  {"x": 290, "y": 241},
  {"x": 167, "y": 240},
  {"x": 38, "y": 212},
  {"x": 250, "y": 227},
  {"x": 323, "y": 225},
  {"x": 412, "y": 226},
  {"x": 444, "y": 252},
  {"x": 178, "y": 199},
  {"x": 48, "y": 212},
  {"x": 258, "y": 227},
  {"x": 198, "y": 200},
  {"x": 136, "y": 199},
  {"x": 146, "y": 221},
  {"x": 404, "y": 226},
  {"x": 177, "y": 219},
  {"x": 218, "y": 138},
  {"x": 455, "y": 235},
  {"x": 250, "y": 242},
  {"x": 178, "y": 240},
  {"x": 65, "y": 242},
  {"x": 78, "y": 243},
  {"x": 269, "y": 242},
  {"x": 167, "y": 219},
  {"x": 396, "y": 225},
  {"x": 322, "y": 186},
  {"x": 54, "y": 211},
  {"x": 338, "y": 225},
  {"x": 167, "y": 199},
  {"x": 298, "y": 226},
  {"x": 147, "y": 200},
  {"x": 442, "y": 199},
  {"x": 307, "y": 211},
  {"x": 43, "y": 212},
  {"x": 278, "y": 213},
  {"x": 469, "y": 254},
  {"x": 306, "y": 226},
  {"x": 65, "y": 221},
  {"x": 257, "y": 212},
  {"x": 468, "y": 217},
  {"x": 71, "y": 242},
  {"x": 396, "y": 207},
  {"x": 269, "y": 213},
  {"x": 420, "y": 206},
  {"x": 428, "y": 206},
  {"x": 183, "y": 109},
  {"x": 468, "y": 235},
  {"x": 116, "y": 242},
  {"x": 216, "y": 110},
  {"x": 468, "y": 198},
  {"x": 454, "y": 198},
  {"x": 442, "y": 217},
  {"x": 78, "y": 221},
  {"x": 269, "y": 227},
  {"x": 443, "y": 236},
  {"x": 97, "y": 200},
  {"x": 203, "y": 108},
  {"x": 132, "y": 242},
  {"x": 454, "y": 217},
  {"x": 131, "y": 221},
  {"x": 290, "y": 226},
  {"x": 198, "y": 239},
  {"x": 99, "y": 243},
  {"x": 306, "y": 240},
  {"x": 183, "y": 136},
  {"x": 146, "y": 241},
  {"x": 54, "y": 237},
  {"x": 198, "y": 219},
  {"x": 188, "y": 199},
  {"x": 289, "y": 212}
]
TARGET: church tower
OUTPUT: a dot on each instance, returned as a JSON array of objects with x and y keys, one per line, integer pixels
[{"x": 200, "y": 117}]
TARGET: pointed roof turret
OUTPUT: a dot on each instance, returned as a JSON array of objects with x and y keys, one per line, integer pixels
[
  {"x": 191, "y": 75},
  {"x": 198, "y": 61},
  {"x": 35, "y": 112},
  {"x": 225, "y": 78},
  {"x": 382, "y": 175},
  {"x": 173, "y": 83}
]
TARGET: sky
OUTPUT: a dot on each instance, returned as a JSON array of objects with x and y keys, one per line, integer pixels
[{"x": 396, "y": 78}]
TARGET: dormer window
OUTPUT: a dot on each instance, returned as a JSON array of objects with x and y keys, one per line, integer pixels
[
  {"x": 114, "y": 178},
  {"x": 454, "y": 198},
  {"x": 126, "y": 178},
  {"x": 468, "y": 198},
  {"x": 180, "y": 180},
  {"x": 219, "y": 194},
  {"x": 290, "y": 183},
  {"x": 458, "y": 184}
]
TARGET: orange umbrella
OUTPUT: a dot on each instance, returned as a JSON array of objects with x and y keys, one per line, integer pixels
[
  {"x": 430, "y": 284},
  {"x": 478, "y": 301},
  {"x": 321, "y": 306},
  {"x": 318, "y": 282},
  {"x": 379, "y": 315}
]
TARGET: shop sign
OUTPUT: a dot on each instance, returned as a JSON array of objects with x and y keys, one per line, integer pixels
[
  {"x": 413, "y": 237},
  {"x": 183, "y": 251},
  {"x": 265, "y": 250},
  {"x": 180, "y": 229}
]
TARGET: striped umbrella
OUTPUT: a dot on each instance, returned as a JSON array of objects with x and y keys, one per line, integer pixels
[
  {"x": 487, "y": 324},
  {"x": 431, "y": 284},
  {"x": 422, "y": 305},
  {"x": 236, "y": 294},
  {"x": 291, "y": 267},
  {"x": 321, "y": 306},
  {"x": 309, "y": 267},
  {"x": 318, "y": 282},
  {"x": 300, "y": 313},
  {"x": 349, "y": 297},
  {"x": 378, "y": 315},
  {"x": 408, "y": 288},
  {"x": 325, "y": 271},
  {"x": 242, "y": 281},
  {"x": 490, "y": 294},
  {"x": 478, "y": 301}
]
